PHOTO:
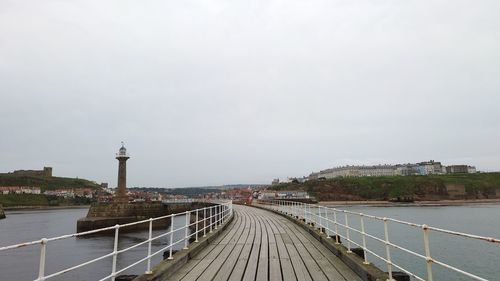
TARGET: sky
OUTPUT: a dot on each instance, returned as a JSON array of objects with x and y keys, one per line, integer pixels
[{"x": 221, "y": 92}]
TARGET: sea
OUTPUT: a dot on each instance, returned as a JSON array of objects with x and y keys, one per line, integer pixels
[
  {"x": 474, "y": 256},
  {"x": 478, "y": 257}
]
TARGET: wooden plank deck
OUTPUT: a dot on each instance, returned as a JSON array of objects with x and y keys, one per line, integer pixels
[{"x": 261, "y": 245}]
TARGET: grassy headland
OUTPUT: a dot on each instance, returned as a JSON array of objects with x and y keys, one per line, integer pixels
[
  {"x": 432, "y": 187},
  {"x": 45, "y": 183},
  {"x": 14, "y": 200}
]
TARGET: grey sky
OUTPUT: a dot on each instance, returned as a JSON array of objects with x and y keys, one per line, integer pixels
[{"x": 217, "y": 92}]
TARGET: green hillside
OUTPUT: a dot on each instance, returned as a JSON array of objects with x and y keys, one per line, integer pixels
[
  {"x": 433, "y": 187},
  {"x": 45, "y": 183}
]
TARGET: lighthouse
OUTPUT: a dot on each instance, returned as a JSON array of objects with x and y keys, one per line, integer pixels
[{"x": 121, "y": 193}]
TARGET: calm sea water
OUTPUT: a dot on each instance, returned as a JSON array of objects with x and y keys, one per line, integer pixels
[
  {"x": 474, "y": 256},
  {"x": 477, "y": 257},
  {"x": 29, "y": 225}
]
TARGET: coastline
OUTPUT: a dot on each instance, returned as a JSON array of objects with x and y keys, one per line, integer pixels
[
  {"x": 15, "y": 208},
  {"x": 410, "y": 204}
]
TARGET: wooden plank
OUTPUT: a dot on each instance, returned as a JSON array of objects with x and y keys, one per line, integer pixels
[
  {"x": 263, "y": 264},
  {"x": 241, "y": 264},
  {"x": 232, "y": 230},
  {"x": 260, "y": 245},
  {"x": 299, "y": 267},
  {"x": 285, "y": 262},
  {"x": 335, "y": 262},
  {"x": 211, "y": 264},
  {"x": 222, "y": 249},
  {"x": 310, "y": 263},
  {"x": 226, "y": 267},
  {"x": 274, "y": 259},
  {"x": 251, "y": 268}
]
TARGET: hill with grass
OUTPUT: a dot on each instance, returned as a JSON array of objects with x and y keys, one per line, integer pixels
[
  {"x": 401, "y": 188},
  {"x": 45, "y": 183}
]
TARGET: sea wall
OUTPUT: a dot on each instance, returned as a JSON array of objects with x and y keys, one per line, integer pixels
[
  {"x": 2, "y": 213},
  {"x": 138, "y": 210},
  {"x": 101, "y": 215}
]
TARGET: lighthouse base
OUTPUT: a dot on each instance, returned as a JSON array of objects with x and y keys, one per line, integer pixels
[{"x": 103, "y": 215}]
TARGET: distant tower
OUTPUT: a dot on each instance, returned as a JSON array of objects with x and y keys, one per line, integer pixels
[{"x": 122, "y": 157}]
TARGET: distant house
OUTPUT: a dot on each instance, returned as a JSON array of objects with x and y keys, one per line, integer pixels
[
  {"x": 292, "y": 195},
  {"x": 430, "y": 168},
  {"x": 66, "y": 193},
  {"x": 19, "y": 190},
  {"x": 266, "y": 195},
  {"x": 283, "y": 194},
  {"x": 457, "y": 169}
]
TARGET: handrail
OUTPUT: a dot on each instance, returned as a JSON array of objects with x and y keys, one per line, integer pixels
[
  {"x": 217, "y": 216},
  {"x": 326, "y": 217}
]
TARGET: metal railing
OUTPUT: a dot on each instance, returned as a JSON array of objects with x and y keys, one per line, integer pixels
[
  {"x": 205, "y": 221},
  {"x": 326, "y": 220}
]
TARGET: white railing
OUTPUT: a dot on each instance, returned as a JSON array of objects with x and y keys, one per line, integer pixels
[
  {"x": 325, "y": 219},
  {"x": 206, "y": 220}
]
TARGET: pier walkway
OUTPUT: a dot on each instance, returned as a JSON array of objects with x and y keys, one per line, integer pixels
[{"x": 261, "y": 245}]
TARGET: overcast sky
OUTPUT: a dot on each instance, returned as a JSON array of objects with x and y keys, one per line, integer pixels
[{"x": 217, "y": 92}]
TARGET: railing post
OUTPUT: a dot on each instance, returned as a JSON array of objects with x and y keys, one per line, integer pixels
[
  {"x": 320, "y": 220},
  {"x": 170, "y": 256},
  {"x": 186, "y": 230},
  {"x": 221, "y": 214},
  {"x": 336, "y": 227},
  {"x": 388, "y": 250},
  {"x": 115, "y": 254},
  {"x": 348, "y": 237},
  {"x": 196, "y": 235},
  {"x": 365, "y": 253},
  {"x": 304, "y": 214},
  {"x": 309, "y": 213},
  {"x": 41, "y": 268},
  {"x": 221, "y": 221},
  {"x": 428, "y": 258},
  {"x": 211, "y": 217},
  {"x": 205, "y": 222},
  {"x": 308, "y": 216},
  {"x": 224, "y": 214},
  {"x": 327, "y": 229},
  {"x": 216, "y": 216},
  {"x": 148, "y": 271}
]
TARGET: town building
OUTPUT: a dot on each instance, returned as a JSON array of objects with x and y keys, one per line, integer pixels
[
  {"x": 460, "y": 169},
  {"x": 19, "y": 190},
  {"x": 423, "y": 168},
  {"x": 282, "y": 194},
  {"x": 430, "y": 168}
]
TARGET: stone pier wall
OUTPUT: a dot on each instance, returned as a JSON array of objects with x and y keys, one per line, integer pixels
[
  {"x": 138, "y": 210},
  {"x": 101, "y": 215}
]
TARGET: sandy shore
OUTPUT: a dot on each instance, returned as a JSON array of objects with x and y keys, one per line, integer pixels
[{"x": 416, "y": 203}]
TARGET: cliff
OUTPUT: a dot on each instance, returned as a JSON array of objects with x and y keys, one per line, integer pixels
[{"x": 434, "y": 187}]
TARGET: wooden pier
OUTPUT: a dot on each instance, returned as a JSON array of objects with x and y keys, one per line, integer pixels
[{"x": 261, "y": 245}]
